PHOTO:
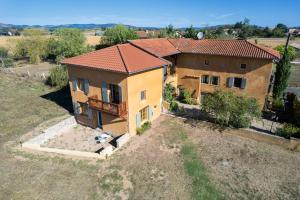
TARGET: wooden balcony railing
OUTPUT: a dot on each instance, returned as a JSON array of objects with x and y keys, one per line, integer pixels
[{"x": 110, "y": 108}]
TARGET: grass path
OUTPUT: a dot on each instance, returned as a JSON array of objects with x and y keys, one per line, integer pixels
[{"x": 201, "y": 187}]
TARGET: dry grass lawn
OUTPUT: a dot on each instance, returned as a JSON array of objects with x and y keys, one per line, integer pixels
[
  {"x": 175, "y": 159},
  {"x": 273, "y": 42},
  {"x": 9, "y": 41}
]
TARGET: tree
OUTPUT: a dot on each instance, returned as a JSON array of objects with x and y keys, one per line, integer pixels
[
  {"x": 282, "y": 74},
  {"x": 290, "y": 51},
  {"x": 66, "y": 42},
  {"x": 117, "y": 35},
  {"x": 168, "y": 32},
  {"x": 244, "y": 29},
  {"x": 280, "y": 30},
  {"x": 229, "y": 109},
  {"x": 34, "y": 45},
  {"x": 190, "y": 33}
]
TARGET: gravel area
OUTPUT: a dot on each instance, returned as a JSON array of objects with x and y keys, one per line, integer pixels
[{"x": 79, "y": 138}]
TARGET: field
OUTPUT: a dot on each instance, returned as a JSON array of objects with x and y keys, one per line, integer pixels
[
  {"x": 7, "y": 41},
  {"x": 273, "y": 42},
  {"x": 294, "y": 80},
  {"x": 175, "y": 159}
]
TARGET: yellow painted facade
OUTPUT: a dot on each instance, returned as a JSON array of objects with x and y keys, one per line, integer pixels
[
  {"x": 191, "y": 67},
  {"x": 131, "y": 85},
  {"x": 185, "y": 73}
]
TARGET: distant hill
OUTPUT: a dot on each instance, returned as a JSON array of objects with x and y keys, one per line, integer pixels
[{"x": 80, "y": 26}]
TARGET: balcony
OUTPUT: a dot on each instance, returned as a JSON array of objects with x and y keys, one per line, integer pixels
[{"x": 110, "y": 108}]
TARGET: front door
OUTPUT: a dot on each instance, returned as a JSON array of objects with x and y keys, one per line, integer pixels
[{"x": 99, "y": 119}]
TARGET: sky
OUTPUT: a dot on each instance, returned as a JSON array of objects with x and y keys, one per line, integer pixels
[{"x": 156, "y": 13}]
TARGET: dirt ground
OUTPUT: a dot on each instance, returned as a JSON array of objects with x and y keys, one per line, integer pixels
[
  {"x": 246, "y": 169},
  {"x": 150, "y": 167},
  {"x": 79, "y": 138}
]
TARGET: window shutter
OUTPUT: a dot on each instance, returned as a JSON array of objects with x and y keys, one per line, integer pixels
[
  {"x": 230, "y": 82},
  {"x": 243, "y": 84},
  {"x": 76, "y": 108},
  {"x": 120, "y": 93},
  {"x": 86, "y": 86},
  {"x": 150, "y": 113},
  {"x": 138, "y": 120},
  {"x": 74, "y": 84},
  {"x": 90, "y": 113},
  {"x": 104, "y": 91}
]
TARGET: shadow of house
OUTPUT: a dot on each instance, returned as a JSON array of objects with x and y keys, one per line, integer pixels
[{"x": 61, "y": 97}]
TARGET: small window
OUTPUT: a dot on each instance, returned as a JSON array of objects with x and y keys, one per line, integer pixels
[
  {"x": 143, "y": 95},
  {"x": 205, "y": 79},
  {"x": 206, "y": 62},
  {"x": 243, "y": 66},
  {"x": 80, "y": 84},
  {"x": 215, "y": 80},
  {"x": 84, "y": 109},
  {"x": 144, "y": 113},
  {"x": 237, "y": 82}
]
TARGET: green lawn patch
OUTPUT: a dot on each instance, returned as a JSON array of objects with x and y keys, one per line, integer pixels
[{"x": 202, "y": 188}]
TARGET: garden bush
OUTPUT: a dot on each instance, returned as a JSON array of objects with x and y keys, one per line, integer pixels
[
  {"x": 58, "y": 77},
  {"x": 288, "y": 131},
  {"x": 277, "y": 104},
  {"x": 174, "y": 106},
  {"x": 169, "y": 90},
  {"x": 229, "y": 109},
  {"x": 5, "y": 59},
  {"x": 186, "y": 97},
  {"x": 143, "y": 128}
]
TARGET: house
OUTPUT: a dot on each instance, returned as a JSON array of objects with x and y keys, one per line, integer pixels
[
  {"x": 142, "y": 34},
  {"x": 120, "y": 87}
]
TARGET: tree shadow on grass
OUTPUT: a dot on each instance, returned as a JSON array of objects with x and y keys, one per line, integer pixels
[{"x": 61, "y": 97}]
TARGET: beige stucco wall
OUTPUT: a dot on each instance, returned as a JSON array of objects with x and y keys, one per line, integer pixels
[
  {"x": 152, "y": 82},
  {"x": 190, "y": 67},
  {"x": 111, "y": 123}
]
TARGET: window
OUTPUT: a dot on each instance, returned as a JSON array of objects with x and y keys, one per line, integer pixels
[
  {"x": 237, "y": 82},
  {"x": 83, "y": 85},
  {"x": 80, "y": 84},
  {"x": 114, "y": 93},
  {"x": 206, "y": 62},
  {"x": 205, "y": 79},
  {"x": 143, "y": 95},
  {"x": 144, "y": 114},
  {"x": 84, "y": 109},
  {"x": 215, "y": 80},
  {"x": 243, "y": 66}
]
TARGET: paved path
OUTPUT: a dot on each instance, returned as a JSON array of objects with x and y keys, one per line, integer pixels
[{"x": 51, "y": 132}]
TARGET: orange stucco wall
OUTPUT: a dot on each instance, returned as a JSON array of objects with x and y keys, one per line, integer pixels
[
  {"x": 190, "y": 67},
  {"x": 131, "y": 85},
  {"x": 152, "y": 82},
  {"x": 110, "y": 123}
]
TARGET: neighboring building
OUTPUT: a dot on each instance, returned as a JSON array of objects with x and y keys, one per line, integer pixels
[
  {"x": 294, "y": 31},
  {"x": 142, "y": 34},
  {"x": 120, "y": 87}
]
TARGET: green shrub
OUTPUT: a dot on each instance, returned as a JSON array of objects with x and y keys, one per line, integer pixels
[
  {"x": 288, "y": 131},
  {"x": 277, "y": 104},
  {"x": 229, "y": 109},
  {"x": 168, "y": 92},
  {"x": 143, "y": 128},
  {"x": 5, "y": 59},
  {"x": 186, "y": 97},
  {"x": 58, "y": 77},
  {"x": 174, "y": 106}
]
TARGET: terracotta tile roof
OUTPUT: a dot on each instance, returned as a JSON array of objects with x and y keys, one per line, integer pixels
[
  {"x": 124, "y": 58},
  {"x": 240, "y": 48},
  {"x": 157, "y": 46}
]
